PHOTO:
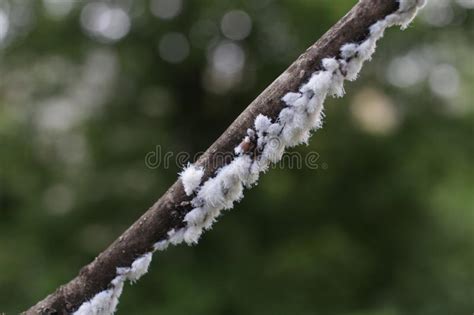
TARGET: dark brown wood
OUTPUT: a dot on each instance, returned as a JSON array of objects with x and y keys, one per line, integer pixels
[{"x": 168, "y": 211}]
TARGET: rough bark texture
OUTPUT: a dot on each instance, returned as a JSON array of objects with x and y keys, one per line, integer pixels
[{"x": 168, "y": 212}]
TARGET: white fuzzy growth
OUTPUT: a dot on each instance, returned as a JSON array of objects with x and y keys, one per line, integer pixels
[
  {"x": 104, "y": 302},
  {"x": 227, "y": 186},
  {"x": 191, "y": 177},
  {"x": 192, "y": 234},
  {"x": 407, "y": 11},
  {"x": 318, "y": 83},
  {"x": 348, "y": 50},
  {"x": 353, "y": 68},
  {"x": 273, "y": 150},
  {"x": 212, "y": 192},
  {"x": 286, "y": 115},
  {"x": 218, "y": 193},
  {"x": 262, "y": 123},
  {"x": 304, "y": 113},
  {"x": 337, "y": 85},
  {"x": 330, "y": 64},
  {"x": 161, "y": 245},
  {"x": 232, "y": 188},
  {"x": 238, "y": 150},
  {"x": 139, "y": 267},
  {"x": 176, "y": 237},
  {"x": 195, "y": 216},
  {"x": 291, "y": 97},
  {"x": 241, "y": 169}
]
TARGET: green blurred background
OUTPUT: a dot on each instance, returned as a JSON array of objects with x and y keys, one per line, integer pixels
[{"x": 383, "y": 226}]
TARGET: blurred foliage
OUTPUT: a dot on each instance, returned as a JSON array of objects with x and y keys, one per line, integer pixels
[{"x": 384, "y": 225}]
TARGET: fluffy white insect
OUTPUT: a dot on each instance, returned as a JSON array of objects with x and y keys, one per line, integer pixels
[
  {"x": 105, "y": 302},
  {"x": 139, "y": 267},
  {"x": 176, "y": 237},
  {"x": 191, "y": 177},
  {"x": 161, "y": 245},
  {"x": 195, "y": 216},
  {"x": 192, "y": 234},
  {"x": 303, "y": 113},
  {"x": 262, "y": 123}
]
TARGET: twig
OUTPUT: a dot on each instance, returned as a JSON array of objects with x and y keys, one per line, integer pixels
[{"x": 131, "y": 249}]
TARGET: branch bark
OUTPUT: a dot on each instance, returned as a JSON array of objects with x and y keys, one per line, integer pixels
[{"x": 168, "y": 212}]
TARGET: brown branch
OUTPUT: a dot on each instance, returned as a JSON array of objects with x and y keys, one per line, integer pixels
[{"x": 168, "y": 212}]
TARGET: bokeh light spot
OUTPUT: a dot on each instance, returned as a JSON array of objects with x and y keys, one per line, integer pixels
[
  {"x": 58, "y": 9},
  {"x": 236, "y": 25},
  {"x": 438, "y": 13},
  {"x": 468, "y": 4},
  {"x": 374, "y": 112},
  {"x": 166, "y": 9},
  {"x": 105, "y": 22},
  {"x": 406, "y": 71},
  {"x": 228, "y": 58},
  {"x": 444, "y": 81},
  {"x": 4, "y": 24},
  {"x": 174, "y": 47},
  {"x": 225, "y": 64}
]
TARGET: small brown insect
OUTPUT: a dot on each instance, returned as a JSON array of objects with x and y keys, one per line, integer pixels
[{"x": 247, "y": 145}]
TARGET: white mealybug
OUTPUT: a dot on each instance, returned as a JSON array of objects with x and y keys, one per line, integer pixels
[{"x": 191, "y": 177}]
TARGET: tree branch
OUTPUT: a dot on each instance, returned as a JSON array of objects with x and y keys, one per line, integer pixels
[{"x": 168, "y": 212}]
